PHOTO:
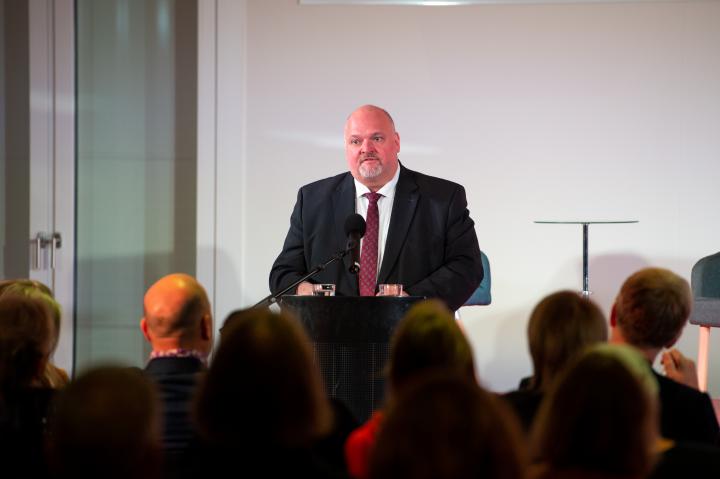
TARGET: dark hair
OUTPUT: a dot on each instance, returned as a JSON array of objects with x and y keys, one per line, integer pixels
[
  {"x": 262, "y": 383},
  {"x": 428, "y": 338},
  {"x": 107, "y": 424},
  {"x": 561, "y": 326},
  {"x": 26, "y": 334},
  {"x": 652, "y": 307},
  {"x": 599, "y": 416},
  {"x": 444, "y": 425}
]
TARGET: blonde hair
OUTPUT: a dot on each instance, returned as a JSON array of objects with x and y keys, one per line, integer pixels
[
  {"x": 428, "y": 338},
  {"x": 25, "y": 340},
  {"x": 53, "y": 376}
]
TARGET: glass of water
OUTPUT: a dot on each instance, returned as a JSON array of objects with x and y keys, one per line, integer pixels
[{"x": 390, "y": 289}]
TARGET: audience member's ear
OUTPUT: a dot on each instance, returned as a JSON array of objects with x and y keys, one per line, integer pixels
[
  {"x": 144, "y": 329},
  {"x": 674, "y": 340},
  {"x": 206, "y": 327},
  {"x": 613, "y": 316},
  {"x": 41, "y": 365}
]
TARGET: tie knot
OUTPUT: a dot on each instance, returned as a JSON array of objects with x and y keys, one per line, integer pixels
[{"x": 372, "y": 197}]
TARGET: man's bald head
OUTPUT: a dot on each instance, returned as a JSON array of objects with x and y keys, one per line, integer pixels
[
  {"x": 373, "y": 109},
  {"x": 371, "y": 146},
  {"x": 177, "y": 314}
]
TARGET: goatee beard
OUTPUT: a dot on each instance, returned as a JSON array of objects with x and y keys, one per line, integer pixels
[{"x": 370, "y": 171}]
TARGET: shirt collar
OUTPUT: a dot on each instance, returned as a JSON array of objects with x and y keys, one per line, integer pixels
[
  {"x": 179, "y": 353},
  {"x": 387, "y": 190}
]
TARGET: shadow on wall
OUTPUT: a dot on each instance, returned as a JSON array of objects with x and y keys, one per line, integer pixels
[
  {"x": 504, "y": 368},
  {"x": 607, "y": 273},
  {"x": 502, "y": 364}
]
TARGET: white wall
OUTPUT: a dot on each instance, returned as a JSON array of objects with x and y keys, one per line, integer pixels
[{"x": 595, "y": 111}]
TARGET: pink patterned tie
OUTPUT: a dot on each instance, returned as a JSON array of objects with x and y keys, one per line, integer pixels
[{"x": 369, "y": 253}]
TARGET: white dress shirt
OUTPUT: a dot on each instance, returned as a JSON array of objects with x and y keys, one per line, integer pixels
[{"x": 385, "y": 204}]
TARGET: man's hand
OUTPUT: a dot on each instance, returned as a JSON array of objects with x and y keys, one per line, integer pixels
[
  {"x": 305, "y": 289},
  {"x": 679, "y": 368}
]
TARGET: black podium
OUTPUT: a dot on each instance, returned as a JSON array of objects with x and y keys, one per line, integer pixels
[{"x": 351, "y": 337}]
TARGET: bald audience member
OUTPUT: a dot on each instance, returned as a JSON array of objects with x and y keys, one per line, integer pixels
[
  {"x": 650, "y": 312},
  {"x": 177, "y": 322}
]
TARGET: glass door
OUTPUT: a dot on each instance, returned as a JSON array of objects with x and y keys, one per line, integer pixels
[
  {"x": 100, "y": 221},
  {"x": 136, "y": 165},
  {"x": 36, "y": 150}
]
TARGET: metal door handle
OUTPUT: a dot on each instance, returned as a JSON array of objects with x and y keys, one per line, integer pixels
[
  {"x": 37, "y": 246},
  {"x": 55, "y": 243},
  {"x": 40, "y": 242}
]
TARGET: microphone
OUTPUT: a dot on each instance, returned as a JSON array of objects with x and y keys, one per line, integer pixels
[{"x": 354, "y": 229}]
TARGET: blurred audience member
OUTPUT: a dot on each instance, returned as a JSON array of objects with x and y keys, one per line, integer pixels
[
  {"x": 686, "y": 459},
  {"x": 262, "y": 404},
  {"x": 443, "y": 425},
  {"x": 107, "y": 424},
  {"x": 177, "y": 323},
  {"x": 561, "y": 326},
  {"x": 428, "y": 338},
  {"x": 650, "y": 312},
  {"x": 600, "y": 419},
  {"x": 53, "y": 376},
  {"x": 26, "y": 340}
]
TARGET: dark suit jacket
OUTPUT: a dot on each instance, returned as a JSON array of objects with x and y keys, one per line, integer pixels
[
  {"x": 686, "y": 414},
  {"x": 24, "y": 416},
  {"x": 256, "y": 458},
  {"x": 431, "y": 248},
  {"x": 176, "y": 379},
  {"x": 688, "y": 460},
  {"x": 526, "y": 404}
]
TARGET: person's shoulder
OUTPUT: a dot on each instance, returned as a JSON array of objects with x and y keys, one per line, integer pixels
[
  {"x": 173, "y": 366},
  {"x": 428, "y": 182},
  {"x": 327, "y": 184},
  {"x": 671, "y": 389},
  {"x": 686, "y": 413},
  {"x": 522, "y": 396},
  {"x": 670, "y": 384}
]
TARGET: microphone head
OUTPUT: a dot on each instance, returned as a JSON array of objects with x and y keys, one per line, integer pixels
[{"x": 355, "y": 226}]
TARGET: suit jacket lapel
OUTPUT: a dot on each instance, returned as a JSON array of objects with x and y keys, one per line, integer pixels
[
  {"x": 406, "y": 198},
  {"x": 343, "y": 203}
]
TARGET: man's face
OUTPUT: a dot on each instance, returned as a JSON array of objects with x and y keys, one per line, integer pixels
[{"x": 371, "y": 147}]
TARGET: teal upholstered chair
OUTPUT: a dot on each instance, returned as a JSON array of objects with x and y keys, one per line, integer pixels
[
  {"x": 481, "y": 296},
  {"x": 705, "y": 283}
]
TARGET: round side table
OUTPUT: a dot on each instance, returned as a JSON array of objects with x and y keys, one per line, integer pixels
[{"x": 585, "y": 227}]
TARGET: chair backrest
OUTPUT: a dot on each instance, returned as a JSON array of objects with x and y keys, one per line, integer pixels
[
  {"x": 705, "y": 279},
  {"x": 481, "y": 296},
  {"x": 705, "y": 284}
]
